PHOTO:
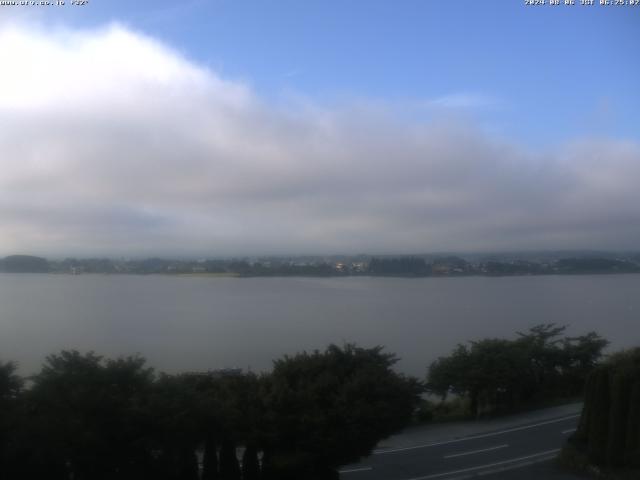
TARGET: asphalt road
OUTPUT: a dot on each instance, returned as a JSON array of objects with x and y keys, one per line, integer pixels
[{"x": 526, "y": 447}]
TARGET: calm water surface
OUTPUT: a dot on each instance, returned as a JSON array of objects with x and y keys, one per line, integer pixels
[{"x": 187, "y": 323}]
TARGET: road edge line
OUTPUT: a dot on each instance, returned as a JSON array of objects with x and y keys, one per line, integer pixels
[{"x": 474, "y": 437}]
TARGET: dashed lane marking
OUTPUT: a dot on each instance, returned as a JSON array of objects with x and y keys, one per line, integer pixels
[
  {"x": 489, "y": 465},
  {"x": 354, "y": 470},
  {"x": 489, "y": 449}
]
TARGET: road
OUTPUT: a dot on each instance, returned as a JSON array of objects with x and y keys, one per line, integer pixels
[{"x": 490, "y": 453}]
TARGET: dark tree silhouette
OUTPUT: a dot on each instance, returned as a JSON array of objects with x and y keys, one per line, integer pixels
[
  {"x": 331, "y": 408},
  {"x": 10, "y": 391},
  {"x": 499, "y": 374},
  {"x": 89, "y": 418},
  {"x": 609, "y": 429},
  {"x": 210, "y": 460},
  {"x": 229, "y": 465},
  {"x": 88, "y": 415},
  {"x": 250, "y": 464}
]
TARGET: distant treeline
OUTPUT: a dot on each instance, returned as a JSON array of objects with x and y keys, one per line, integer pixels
[
  {"x": 406, "y": 266},
  {"x": 83, "y": 417}
]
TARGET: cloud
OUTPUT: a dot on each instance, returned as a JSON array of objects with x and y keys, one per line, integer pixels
[
  {"x": 463, "y": 101},
  {"x": 112, "y": 143}
]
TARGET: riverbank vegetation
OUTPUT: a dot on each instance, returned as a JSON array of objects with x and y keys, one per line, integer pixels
[
  {"x": 496, "y": 375},
  {"x": 90, "y": 418}
]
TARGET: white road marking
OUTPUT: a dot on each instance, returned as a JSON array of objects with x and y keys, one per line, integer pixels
[
  {"x": 354, "y": 470},
  {"x": 476, "y": 451},
  {"x": 571, "y": 430},
  {"x": 489, "y": 465},
  {"x": 474, "y": 437}
]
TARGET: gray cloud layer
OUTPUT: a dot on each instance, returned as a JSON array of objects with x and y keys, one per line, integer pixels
[{"x": 113, "y": 144}]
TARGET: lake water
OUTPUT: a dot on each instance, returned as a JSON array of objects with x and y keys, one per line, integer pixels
[{"x": 194, "y": 323}]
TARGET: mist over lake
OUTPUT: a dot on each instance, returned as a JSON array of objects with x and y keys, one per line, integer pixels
[{"x": 199, "y": 323}]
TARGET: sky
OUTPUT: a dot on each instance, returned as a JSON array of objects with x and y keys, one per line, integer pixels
[{"x": 223, "y": 128}]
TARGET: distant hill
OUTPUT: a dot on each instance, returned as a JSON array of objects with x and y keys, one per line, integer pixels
[{"x": 24, "y": 264}]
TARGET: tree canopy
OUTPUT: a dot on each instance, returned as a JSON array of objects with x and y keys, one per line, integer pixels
[
  {"x": 92, "y": 418},
  {"x": 502, "y": 374},
  {"x": 334, "y": 406}
]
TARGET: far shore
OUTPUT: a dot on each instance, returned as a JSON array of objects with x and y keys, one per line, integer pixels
[{"x": 240, "y": 275}]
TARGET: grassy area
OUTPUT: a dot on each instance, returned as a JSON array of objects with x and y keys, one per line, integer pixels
[
  {"x": 435, "y": 411},
  {"x": 457, "y": 408}
]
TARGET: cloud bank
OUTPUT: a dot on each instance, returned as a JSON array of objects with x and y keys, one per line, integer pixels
[{"x": 114, "y": 144}]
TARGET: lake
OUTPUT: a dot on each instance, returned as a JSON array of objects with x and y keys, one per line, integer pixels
[{"x": 198, "y": 323}]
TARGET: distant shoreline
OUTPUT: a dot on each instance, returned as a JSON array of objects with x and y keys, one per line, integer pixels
[
  {"x": 344, "y": 266},
  {"x": 240, "y": 276}
]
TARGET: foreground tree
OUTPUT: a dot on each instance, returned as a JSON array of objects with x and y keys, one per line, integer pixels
[
  {"x": 10, "y": 391},
  {"x": 499, "y": 374},
  {"x": 330, "y": 408},
  {"x": 87, "y": 417},
  {"x": 609, "y": 429},
  {"x": 489, "y": 373}
]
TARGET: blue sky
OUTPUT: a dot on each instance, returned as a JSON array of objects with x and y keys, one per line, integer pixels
[
  {"x": 538, "y": 75},
  {"x": 213, "y": 128}
]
